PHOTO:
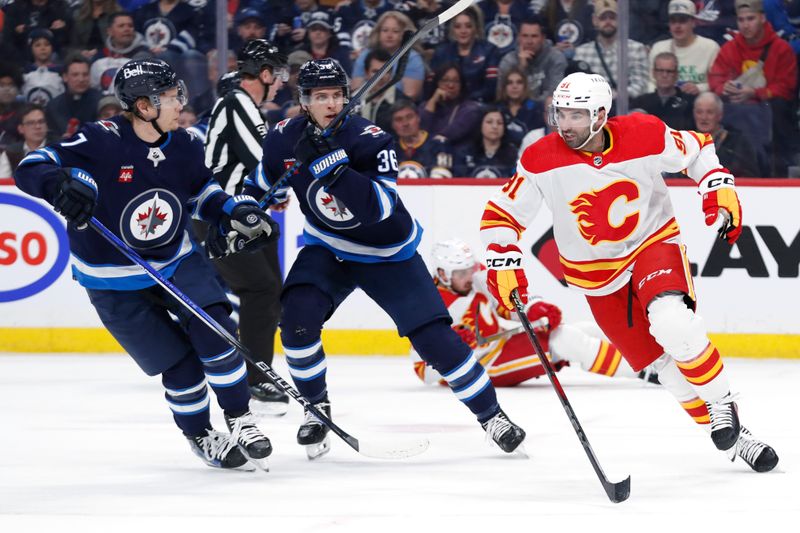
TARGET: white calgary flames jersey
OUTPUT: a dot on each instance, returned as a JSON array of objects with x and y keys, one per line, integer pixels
[{"x": 607, "y": 207}]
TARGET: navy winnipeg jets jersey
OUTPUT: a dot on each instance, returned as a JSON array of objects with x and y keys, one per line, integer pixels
[
  {"x": 146, "y": 196},
  {"x": 360, "y": 217}
]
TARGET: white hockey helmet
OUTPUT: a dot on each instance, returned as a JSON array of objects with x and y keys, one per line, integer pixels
[
  {"x": 583, "y": 91},
  {"x": 450, "y": 255}
]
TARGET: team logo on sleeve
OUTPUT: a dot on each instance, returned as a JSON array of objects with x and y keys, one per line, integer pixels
[
  {"x": 373, "y": 130},
  {"x": 329, "y": 209},
  {"x": 605, "y": 215},
  {"x": 151, "y": 219}
]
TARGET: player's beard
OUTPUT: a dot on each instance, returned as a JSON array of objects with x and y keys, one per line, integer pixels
[{"x": 578, "y": 138}]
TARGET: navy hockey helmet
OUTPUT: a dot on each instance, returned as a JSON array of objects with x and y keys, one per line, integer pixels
[
  {"x": 146, "y": 78},
  {"x": 228, "y": 82},
  {"x": 322, "y": 73},
  {"x": 258, "y": 54}
]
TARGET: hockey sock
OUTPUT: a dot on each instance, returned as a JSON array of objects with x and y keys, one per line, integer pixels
[
  {"x": 305, "y": 309},
  {"x": 441, "y": 347},
  {"x": 673, "y": 380},
  {"x": 572, "y": 343},
  {"x": 706, "y": 374},
  {"x": 187, "y": 395},
  {"x": 223, "y": 364}
]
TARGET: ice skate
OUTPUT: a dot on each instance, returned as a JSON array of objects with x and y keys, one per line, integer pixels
[
  {"x": 313, "y": 434},
  {"x": 219, "y": 451},
  {"x": 649, "y": 375},
  {"x": 272, "y": 400},
  {"x": 504, "y": 432},
  {"x": 725, "y": 426},
  {"x": 255, "y": 446},
  {"x": 758, "y": 455}
]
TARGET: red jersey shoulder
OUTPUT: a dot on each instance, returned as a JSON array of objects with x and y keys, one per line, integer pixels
[
  {"x": 548, "y": 153},
  {"x": 636, "y": 135}
]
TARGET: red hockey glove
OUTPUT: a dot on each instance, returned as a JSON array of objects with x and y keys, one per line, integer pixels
[
  {"x": 545, "y": 310},
  {"x": 720, "y": 198},
  {"x": 466, "y": 334},
  {"x": 506, "y": 274}
]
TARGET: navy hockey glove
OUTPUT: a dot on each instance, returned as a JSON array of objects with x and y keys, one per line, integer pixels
[
  {"x": 244, "y": 227},
  {"x": 323, "y": 156},
  {"x": 76, "y": 197}
]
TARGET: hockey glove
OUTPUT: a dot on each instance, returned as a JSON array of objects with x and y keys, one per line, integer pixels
[
  {"x": 323, "y": 156},
  {"x": 467, "y": 335},
  {"x": 76, "y": 197},
  {"x": 244, "y": 227},
  {"x": 720, "y": 199},
  {"x": 546, "y": 310},
  {"x": 506, "y": 274}
]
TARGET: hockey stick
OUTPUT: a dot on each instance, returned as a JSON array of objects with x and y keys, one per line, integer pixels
[
  {"x": 399, "y": 72},
  {"x": 441, "y": 18},
  {"x": 500, "y": 335},
  {"x": 617, "y": 492},
  {"x": 368, "y": 450}
]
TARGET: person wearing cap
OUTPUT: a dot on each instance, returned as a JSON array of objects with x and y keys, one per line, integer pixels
[
  {"x": 250, "y": 25},
  {"x": 758, "y": 66},
  {"x": 21, "y": 18},
  {"x": 321, "y": 42},
  {"x": 233, "y": 149},
  {"x": 108, "y": 107},
  {"x": 43, "y": 76},
  {"x": 695, "y": 53},
  {"x": 601, "y": 54}
]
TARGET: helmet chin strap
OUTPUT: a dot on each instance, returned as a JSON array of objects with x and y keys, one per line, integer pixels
[
  {"x": 592, "y": 133},
  {"x": 151, "y": 121}
]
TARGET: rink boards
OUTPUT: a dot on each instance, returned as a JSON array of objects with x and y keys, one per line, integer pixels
[{"x": 746, "y": 293}]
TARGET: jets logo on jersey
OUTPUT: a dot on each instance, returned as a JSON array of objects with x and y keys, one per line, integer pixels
[
  {"x": 151, "y": 219},
  {"x": 373, "y": 130},
  {"x": 329, "y": 209},
  {"x": 109, "y": 126},
  {"x": 125, "y": 174},
  {"x": 601, "y": 217},
  {"x": 282, "y": 124}
]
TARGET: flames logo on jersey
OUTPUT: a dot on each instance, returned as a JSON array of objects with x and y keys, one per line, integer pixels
[{"x": 593, "y": 210}]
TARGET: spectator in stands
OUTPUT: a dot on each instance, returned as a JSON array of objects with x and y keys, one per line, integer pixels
[
  {"x": 501, "y": 18},
  {"x": 475, "y": 58},
  {"x": 290, "y": 30},
  {"x": 714, "y": 19},
  {"x": 420, "y": 13},
  {"x": 204, "y": 101},
  {"x": 90, "y": 22},
  {"x": 187, "y": 117},
  {"x": 285, "y": 104},
  {"x": 78, "y": 104},
  {"x": 43, "y": 76},
  {"x": 420, "y": 154},
  {"x": 10, "y": 105},
  {"x": 250, "y": 24},
  {"x": 668, "y": 102},
  {"x": 448, "y": 113},
  {"x": 522, "y": 114},
  {"x": 388, "y": 34},
  {"x": 358, "y": 20},
  {"x": 24, "y": 16},
  {"x": 758, "y": 66},
  {"x": 123, "y": 43},
  {"x": 601, "y": 54},
  {"x": 695, "y": 54},
  {"x": 542, "y": 64},
  {"x": 734, "y": 150},
  {"x": 378, "y": 109},
  {"x": 32, "y": 130},
  {"x": 648, "y": 20},
  {"x": 321, "y": 42},
  {"x": 490, "y": 154},
  {"x": 569, "y": 22},
  {"x": 107, "y": 107}
]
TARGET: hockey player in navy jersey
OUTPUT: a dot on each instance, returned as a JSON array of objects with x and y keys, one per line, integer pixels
[
  {"x": 358, "y": 234},
  {"x": 144, "y": 178}
]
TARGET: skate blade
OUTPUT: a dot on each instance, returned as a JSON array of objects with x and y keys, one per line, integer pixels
[
  {"x": 260, "y": 464},
  {"x": 521, "y": 452},
  {"x": 315, "y": 451},
  {"x": 247, "y": 467}
]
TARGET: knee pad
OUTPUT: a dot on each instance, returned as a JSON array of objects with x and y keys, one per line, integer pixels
[
  {"x": 304, "y": 310},
  {"x": 676, "y": 328}
]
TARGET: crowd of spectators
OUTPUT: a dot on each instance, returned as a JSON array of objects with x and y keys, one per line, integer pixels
[{"x": 474, "y": 92}]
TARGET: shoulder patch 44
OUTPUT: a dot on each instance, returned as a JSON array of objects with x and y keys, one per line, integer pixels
[{"x": 373, "y": 130}]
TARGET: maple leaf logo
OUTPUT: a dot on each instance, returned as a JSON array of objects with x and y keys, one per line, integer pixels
[
  {"x": 332, "y": 204},
  {"x": 150, "y": 221}
]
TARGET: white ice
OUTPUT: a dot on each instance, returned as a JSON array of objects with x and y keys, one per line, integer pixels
[{"x": 89, "y": 445}]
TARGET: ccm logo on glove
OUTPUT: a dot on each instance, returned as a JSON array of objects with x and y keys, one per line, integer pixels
[{"x": 503, "y": 263}]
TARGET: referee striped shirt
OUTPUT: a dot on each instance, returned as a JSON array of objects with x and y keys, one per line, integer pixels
[{"x": 233, "y": 142}]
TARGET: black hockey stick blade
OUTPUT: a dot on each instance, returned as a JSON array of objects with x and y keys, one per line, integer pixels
[
  {"x": 617, "y": 492},
  {"x": 376, "y": 451}
]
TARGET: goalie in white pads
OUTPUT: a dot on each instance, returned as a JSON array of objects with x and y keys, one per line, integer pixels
[
  {"x": 620, "y": 245},
  {"x": 498, "y": 342}
]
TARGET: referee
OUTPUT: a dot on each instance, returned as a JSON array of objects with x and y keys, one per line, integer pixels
[{"x": 233, "y": 149}]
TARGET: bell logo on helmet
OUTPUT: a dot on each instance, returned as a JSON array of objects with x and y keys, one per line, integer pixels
[{"x": 131, "y": 72}]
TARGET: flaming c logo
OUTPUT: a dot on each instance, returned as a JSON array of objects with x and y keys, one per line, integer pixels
[{"x": 592, "y": 210}]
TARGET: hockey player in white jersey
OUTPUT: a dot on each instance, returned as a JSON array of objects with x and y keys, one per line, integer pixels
[
  {"x": 620, "y": 245},
  {"x": 497, "y": 339}
]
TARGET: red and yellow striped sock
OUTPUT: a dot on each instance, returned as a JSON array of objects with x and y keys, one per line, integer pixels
[
  {"x": 697, "y": 410},
  {"x": 705, "y": 373},
  {"x": 607, "y": 359}
]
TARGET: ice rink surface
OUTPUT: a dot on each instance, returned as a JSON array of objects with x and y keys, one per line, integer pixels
[{"x": 89, "y": 445}]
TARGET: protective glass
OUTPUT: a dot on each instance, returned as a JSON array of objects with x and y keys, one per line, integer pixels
[
  {"x": 281, "y": 73},
  {"x": 181, "y": 97},
  {"x": 566, "y": 118}
]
